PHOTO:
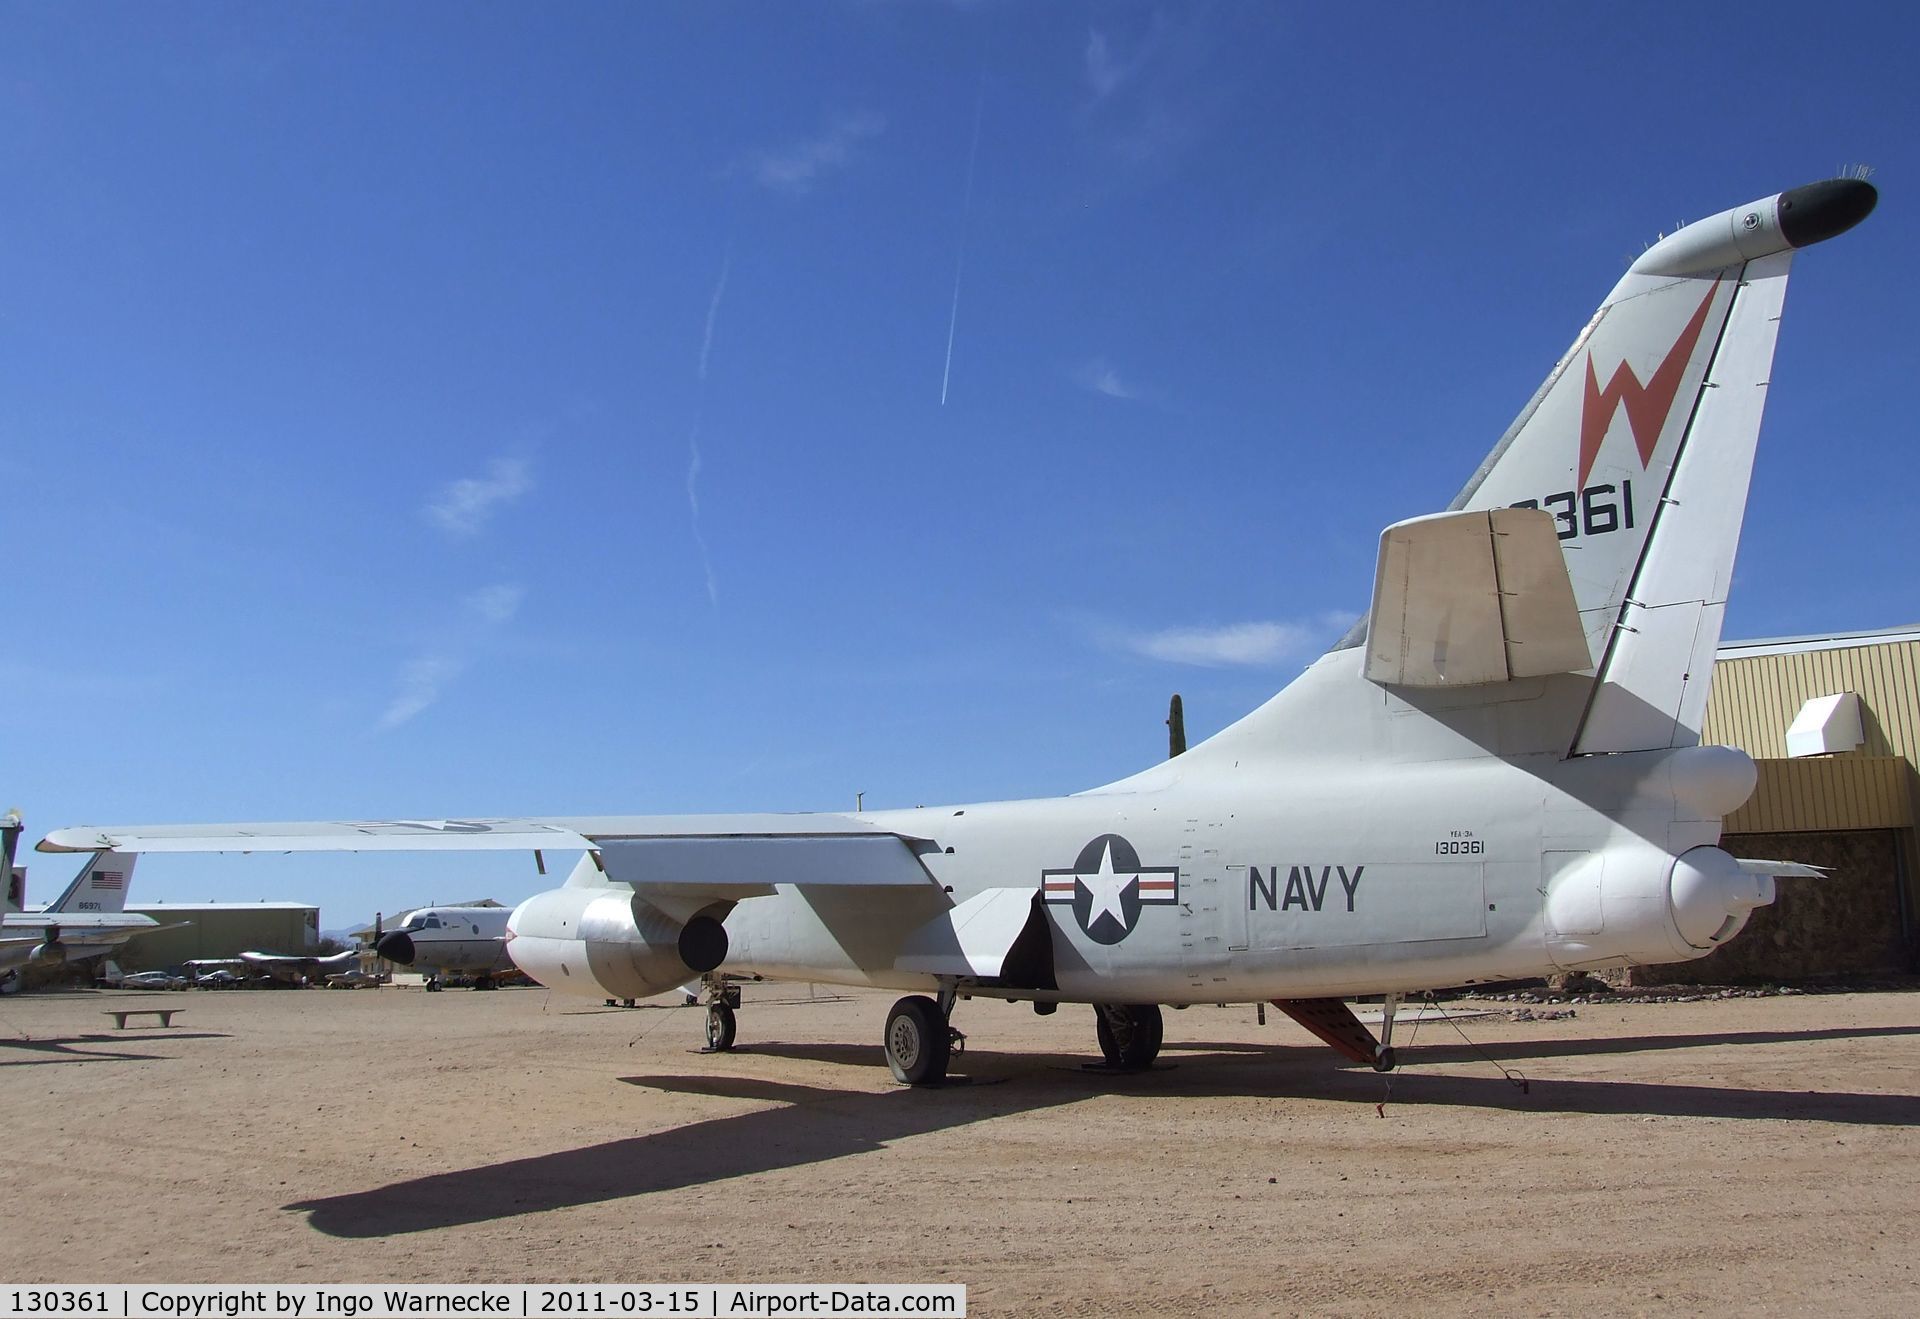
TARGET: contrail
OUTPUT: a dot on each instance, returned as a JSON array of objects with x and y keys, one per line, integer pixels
[
  {"x": 960, "y": 258},
  {"x": 713, "y": 310},
  {"x": 699, "y": 415}
]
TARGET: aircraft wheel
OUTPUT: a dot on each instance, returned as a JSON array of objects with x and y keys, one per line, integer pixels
[
  {"x": 1155, "y": 1031},
  {"x": 917, "y": 1043},
  {"x": 720, "y": 1028},
  {"x": 1385, "y": 1060},
  {"x": 11, "y": 983},
  {"x": 1109, "y": 1046},
  {"x": 1129, "y": 1034}
]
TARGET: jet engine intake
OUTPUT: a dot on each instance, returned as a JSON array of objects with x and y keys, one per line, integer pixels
[
  {"x": 50, "y": 953},
  {"x": 610, "y": 943}
]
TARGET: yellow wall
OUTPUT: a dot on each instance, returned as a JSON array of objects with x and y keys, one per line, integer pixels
[
  {"x": 1754, "y": 700},
  {"x": 1755, "y": 697}
]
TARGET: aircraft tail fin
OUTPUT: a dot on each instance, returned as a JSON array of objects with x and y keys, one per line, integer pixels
[
  {"x": 1588, "y": 625},
  {"x": 1640, "y": 445},
  {"x": 15, "y": 877},
  {"x": 101, "y": 885}
]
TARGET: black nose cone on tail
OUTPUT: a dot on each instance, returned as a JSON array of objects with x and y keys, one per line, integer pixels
[
  {"x": 396, "y": 947},
  {"x": 1818, "y": 211}
]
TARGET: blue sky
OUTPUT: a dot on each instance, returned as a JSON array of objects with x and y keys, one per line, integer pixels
[{"x": 537, "y": 409}]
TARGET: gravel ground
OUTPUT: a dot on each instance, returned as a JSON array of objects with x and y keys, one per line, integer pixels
[{"x": 1740, "y": 1155}]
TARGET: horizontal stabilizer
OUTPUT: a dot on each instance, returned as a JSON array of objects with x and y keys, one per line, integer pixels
[
  {"x": 1783, "y": 869},
  {"x": 1480, "y": 596}
]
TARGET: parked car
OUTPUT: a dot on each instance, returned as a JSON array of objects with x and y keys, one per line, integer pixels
[
  {"x": 152, "y": 980},
  {"x": 218, "y": 980}
]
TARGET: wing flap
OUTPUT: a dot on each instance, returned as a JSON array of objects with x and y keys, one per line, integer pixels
[
  {"x": 1481, "y": 596},
  {"x": 736, "y": 866}
]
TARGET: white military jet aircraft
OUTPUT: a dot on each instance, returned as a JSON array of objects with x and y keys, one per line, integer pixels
[{"x": 1496, "y": 775}]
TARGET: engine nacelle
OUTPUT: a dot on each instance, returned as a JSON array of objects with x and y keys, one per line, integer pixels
[
  {"x": 50, "y": 953},
  {"x": 1645, "y": 906},
  {"x": 610, "y": 943}
]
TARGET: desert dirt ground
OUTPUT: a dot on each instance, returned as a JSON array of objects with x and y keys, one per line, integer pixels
[{"x": 1739, "y": 1156}]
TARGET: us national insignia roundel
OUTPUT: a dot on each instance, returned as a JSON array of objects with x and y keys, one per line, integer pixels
[{"x": 1107, "y": 886}]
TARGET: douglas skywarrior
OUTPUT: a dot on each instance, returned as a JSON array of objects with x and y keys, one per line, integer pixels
[{"x": 1497, "y": 774}]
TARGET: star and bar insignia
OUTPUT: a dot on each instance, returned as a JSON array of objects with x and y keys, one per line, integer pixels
[{"x": 1107, "y": 886}]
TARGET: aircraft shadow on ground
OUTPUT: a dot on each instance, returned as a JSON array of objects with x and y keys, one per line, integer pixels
[
  {"x": 1437, "y": 1042},
  {"x": 62, "y": 1050},
  {"x": 814, "y": 1124}
]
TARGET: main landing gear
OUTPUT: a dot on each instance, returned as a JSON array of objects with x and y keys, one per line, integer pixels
[
  {"x": 723, "y": 1000},
  {"x": 1129, "y": 1034},
  {"x": 919, "y": 1042}
]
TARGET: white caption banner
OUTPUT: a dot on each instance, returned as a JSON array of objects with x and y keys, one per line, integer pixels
[{"x": 704, "y": 1300}]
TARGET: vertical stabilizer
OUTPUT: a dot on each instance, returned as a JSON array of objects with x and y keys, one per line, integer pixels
[
  {"x": 101, "y": 885},
  {"x": 14, "y": 877},
  {"x": 1636, "y": 454},
  {"x": 1641, "y": 445}
]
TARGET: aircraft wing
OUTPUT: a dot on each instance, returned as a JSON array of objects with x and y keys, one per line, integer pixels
[
  {"x": 320, "y": 836},
  {"x": 722, "y": 856},
  {"x": 1473, "y": 597},
  {"x": 464, "y": 835}
]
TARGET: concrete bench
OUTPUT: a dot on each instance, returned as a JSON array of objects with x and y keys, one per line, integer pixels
[{"x": 120, "y": 1015}]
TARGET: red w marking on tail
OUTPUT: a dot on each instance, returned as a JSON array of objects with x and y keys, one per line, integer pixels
[{"x": 1647, "y": 405}]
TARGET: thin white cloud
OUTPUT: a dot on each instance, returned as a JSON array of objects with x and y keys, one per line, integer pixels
[
  {"x": 497, "y": 604},
  {"x": 421, "y": 682},
  {"x": 796, "y": 168},
  {"x": 1105, "y": 74},
  {"x": 463, "y": 506},
  {"x": 1098, "y": 375},
  {"x": 426, "y": 677},
  {"x": 1245, "y": 644}
]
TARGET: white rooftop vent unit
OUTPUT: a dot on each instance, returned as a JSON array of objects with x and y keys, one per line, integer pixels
[{"x": 1825, "y": 725}]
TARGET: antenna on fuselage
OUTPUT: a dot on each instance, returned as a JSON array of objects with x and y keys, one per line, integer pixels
[{"x": 1176, "y": 728}]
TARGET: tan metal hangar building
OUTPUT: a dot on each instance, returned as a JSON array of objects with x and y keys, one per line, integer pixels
[
  {"x": 1833, "y": 723},
  {"x": 220, "y": 929}
]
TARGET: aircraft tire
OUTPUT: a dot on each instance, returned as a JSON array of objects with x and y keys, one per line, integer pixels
[
  {"x": 720, "y": 1028},
  {"x": 1155, "y": 1027},
  {"x": 1385, "y": 1061},
  {"x": 1143, "y": 1030},
  {"x": 917, "y": 1042},
  {"x": 1109, "y": 1047}
]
